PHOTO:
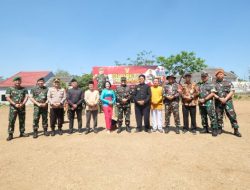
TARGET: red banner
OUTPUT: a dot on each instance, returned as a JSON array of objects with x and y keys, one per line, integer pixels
[{"x": 114, "y": 73}]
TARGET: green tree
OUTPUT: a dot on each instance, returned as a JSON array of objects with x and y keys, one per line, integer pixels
[
  {"x": 142, "y": 58},
  {"x": 181, "y": 63},
  {"x": 84, "y": 80},
  {"x": 62, "y": 73}
]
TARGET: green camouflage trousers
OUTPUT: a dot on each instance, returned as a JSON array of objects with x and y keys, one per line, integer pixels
[
  {"x": 208, "y": 111},
  {"x": 172, "y": 107},
  {"x": 36, "y": 117},
  {"x": 13, "y": 113},
  {"x": 123, "y": 111},
  {"x": 230, "y": 112}
]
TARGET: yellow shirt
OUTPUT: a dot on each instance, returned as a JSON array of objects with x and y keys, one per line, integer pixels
[{"x": 156, "y": 98}]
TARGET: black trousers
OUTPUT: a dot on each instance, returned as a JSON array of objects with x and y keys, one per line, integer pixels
[
  {"x": 71, "y": 114},
  {"x": 56, "y": 116},
  {"x": 189, "y": 110},
  {"x": 142, "y": 112},
  {"x": 94, "y": 114}
]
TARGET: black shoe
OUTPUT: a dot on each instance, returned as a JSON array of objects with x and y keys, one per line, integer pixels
[
  {"x": 46, "y": 133},
  {"x": 184, "y": 130},
  {"x": 10, "y": 137},
  {"x": 147, "y": 130},
  {"x": 53, "y": 133},
  {"x": 219, "y": 131},
  {"x": 119, "y": 130},
  {"x": 24, "y": 135},
  {"x": 204, "y": 130},
  {"x": 167, "y": 129},
  {"x": 177, "y": 130},
  {"x": 237, "y": 133},
  {"x": 128, "y": 129},
  {"x": 60, "y": 132},
  {"x": 87, "y": 131},
  {"x": 138, "y": 130},
  {"x": 95, "y": 130},
  {"x": 35, "y": 134},
  {"x": 193, "y": 131},
  {"x": 71, "y": 131},
  {"x": 214, "y": 132},
  {"x": 79, "y": 130}
]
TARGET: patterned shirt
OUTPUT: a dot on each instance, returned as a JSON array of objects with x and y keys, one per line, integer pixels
[
  {"x": 39, "y": 94},
  {"x": 171, "y": 90},
  {"x": 123, "y": 92},
  {"x": 191, "y": 91},
  {"x": 17, "y": 95},
  {"x": 223, "y": 88},
  {"x": 206, "y": 88}
]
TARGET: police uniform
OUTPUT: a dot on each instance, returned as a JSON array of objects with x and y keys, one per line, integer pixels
[
  {"x": 223, "y": 88},
  {"x": 171, "y": 106},
  {"x": 39, "y": 94},
  {"x": 124, "y": 109},
  {"x": 142, "y": 92},
  {"x": 207, "y": 108},
  {"x": 17, "y": 95}
]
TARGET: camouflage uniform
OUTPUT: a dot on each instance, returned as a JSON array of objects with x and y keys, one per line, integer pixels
[
  {"x": 207, "y": 108},
  {"x": 223, "y": 88},
  {"x": 171, "y": 106},
  {"x": 17, "y": 95},
  {"x": 40, "y": 95},
  {"x": 124, "y": 109}
]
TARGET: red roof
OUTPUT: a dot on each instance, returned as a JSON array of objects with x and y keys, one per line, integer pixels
[{"x": 29, "y": 79}]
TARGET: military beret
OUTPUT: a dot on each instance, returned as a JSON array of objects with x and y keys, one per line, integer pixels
[
  {"x": 40, "y": 79},
  {"x": 57, "y": 80},
  {"x": 187, "y": 74},
  {"x": 220, "y": 71},
  {"x": 170, "y": 76},
  {"x": 204, "y": 74},
  {"x": 17, "y": 78},
  {"x": 123, "y": 79},
  {"x": 73, "y": 80}
]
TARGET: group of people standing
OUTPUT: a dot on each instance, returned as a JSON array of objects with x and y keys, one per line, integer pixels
[{"x": 213, "y": 99}]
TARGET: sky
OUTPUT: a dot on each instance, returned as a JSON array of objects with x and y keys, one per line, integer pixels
[{"x": 75, "y": 35}]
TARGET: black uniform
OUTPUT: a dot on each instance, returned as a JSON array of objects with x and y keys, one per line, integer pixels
[{"x": 142, "y": 92}]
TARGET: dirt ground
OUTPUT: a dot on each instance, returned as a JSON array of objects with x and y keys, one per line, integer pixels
[{"x": 126, "y": 161}]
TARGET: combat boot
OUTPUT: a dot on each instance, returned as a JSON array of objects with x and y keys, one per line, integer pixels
[
  {"x": 128, "y": 129},
  {"x": 35, "y": 134},
  {"x": 214, "y": 132},
  {"x": 87, "y": 131},
  {"x": 236, "y": 132},
  {"x": 219, "y": 130},
  {"x": 167, "y": 129},
  {"x": 119, "y": 129},
  {"x": 10, "y": 137},
  {"x": 24, "y": 134}
]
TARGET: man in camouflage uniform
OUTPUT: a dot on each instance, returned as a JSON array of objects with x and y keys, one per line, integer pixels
[
  {"x": 171, "y": 101},
  {"x": 38, "y": 96},
  {"x": 223, "y": 102},
  {"x": 206, "y": 104},
  {"x": 101, "y": 79},
  {"x": 17, "y": 97},
  {"x": 123, "y": 94}
]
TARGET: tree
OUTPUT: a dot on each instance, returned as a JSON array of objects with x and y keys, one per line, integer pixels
[
  {"x": 181, "y": 63},
  {"x": 62, "y": 73},
  {"x": 84, "y": 80},
  {"x": 143, "y": 58}
]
